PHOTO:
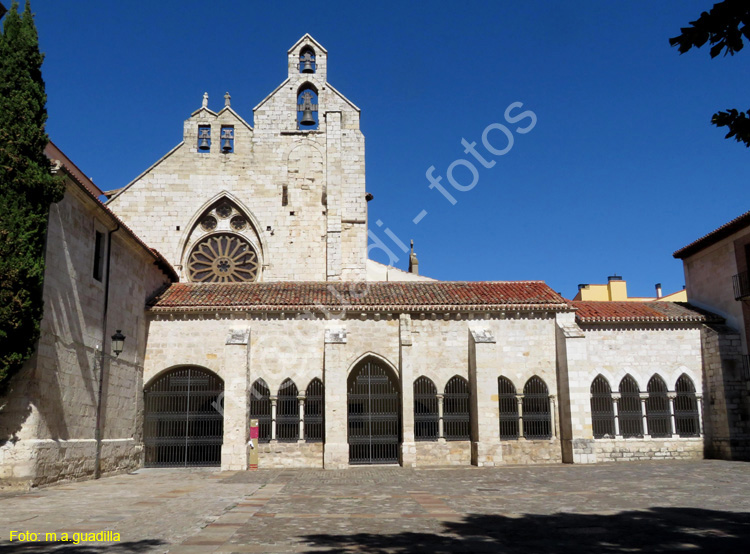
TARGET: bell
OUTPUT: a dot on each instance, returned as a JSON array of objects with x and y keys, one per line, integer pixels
[
  {"x": 204, "y": 144},
  {"x": 307, "y": 67},
  {"x": 307, "y": 118},
  {"x": 226, "y": 146}
]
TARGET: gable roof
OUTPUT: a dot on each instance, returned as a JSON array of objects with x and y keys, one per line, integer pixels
[
  {"x": 361, "y": 296},
  {"x": 737, "y": 224},
  {"x": 666, "y": 312},
  {"x": 307, "y": 36}
]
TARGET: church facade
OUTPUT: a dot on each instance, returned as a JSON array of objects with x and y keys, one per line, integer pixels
[{"x": 272, "y": 312}]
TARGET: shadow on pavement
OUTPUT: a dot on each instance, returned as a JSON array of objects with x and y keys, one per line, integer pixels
[
  {"x": 653, "y": 530},
  {"x": 41, "y": 547}
]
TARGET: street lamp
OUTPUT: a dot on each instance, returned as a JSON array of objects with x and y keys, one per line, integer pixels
[{"x": 118, "y": 342}]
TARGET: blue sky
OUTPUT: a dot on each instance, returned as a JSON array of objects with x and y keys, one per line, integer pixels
[{"x": 621, "y": 169}]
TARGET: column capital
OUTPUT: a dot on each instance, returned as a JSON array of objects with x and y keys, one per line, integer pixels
[
  {"x": 616, "y": 396},
  {"x": 643, "y": 395}
]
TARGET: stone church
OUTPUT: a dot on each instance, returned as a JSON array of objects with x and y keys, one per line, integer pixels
[{"x": 259, "y": 302}]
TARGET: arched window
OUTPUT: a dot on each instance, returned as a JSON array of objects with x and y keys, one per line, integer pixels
[
  {"x": 314, "y": 411},
  {"x": 307, "y": 60},
  {"x": 629, "y": 408},
  {"x": 456, "y": 425},
  {"x": 602, "y": 409},
  {"x": 260, "y": 409},
  {"x": 537, "y": 419},
  {"x": 307, "y": 107},
  {"x": 657, "y": 408},
  {"x": 425, "y": 410},
  {"x": 686, "y": 419},
  {"x": 287, "y": 412},
  {"x": 506, "y": 394}
]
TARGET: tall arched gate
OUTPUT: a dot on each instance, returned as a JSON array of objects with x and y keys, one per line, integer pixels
[
  {"x": 183, "y": 419},
  {"x": 374, "y": 415}
]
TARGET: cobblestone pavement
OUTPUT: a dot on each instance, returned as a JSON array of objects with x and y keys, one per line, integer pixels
[{"x": 631, "y": 507}]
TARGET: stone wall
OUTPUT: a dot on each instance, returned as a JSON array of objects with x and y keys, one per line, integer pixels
[
  {"x": 443, "y": 453},
  {"x": 625, "y": 450},
  {"x": 285, "y": 454},
  {"x": 48, "y": 417}
]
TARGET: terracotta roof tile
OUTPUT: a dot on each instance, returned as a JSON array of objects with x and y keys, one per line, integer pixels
[
  {"x": 365, "y": 296},
  {"x": 737, "y": 224},
  {"x": 606, "y": 312}
]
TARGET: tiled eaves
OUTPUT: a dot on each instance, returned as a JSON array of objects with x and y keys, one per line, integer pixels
[{"x": 641, "y": 312}]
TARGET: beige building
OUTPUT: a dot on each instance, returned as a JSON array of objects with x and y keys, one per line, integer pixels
[{"x": 273, "y": 312}]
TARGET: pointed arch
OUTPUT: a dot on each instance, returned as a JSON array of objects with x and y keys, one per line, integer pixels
[
  {"x": 629, "y": 411},
  {"x": 686, "y": 415},
  {"x": 536, "y": 413},
  {"x": 379, "y": 358},
  {"x": 602, "y": 408},
  {"x": 307, "y": 106},
  {"x": 258, "y": 236},
  {"x": 315, "y": 411},
  {"x": 658, "y": 415},
  {"x": 260, "y": 408},
  {"x": 508, "y": 401},
  {"x": 426, "y": 417},
  {"x": 456, "y": 410},
  {"x": 287, "y": 412}
]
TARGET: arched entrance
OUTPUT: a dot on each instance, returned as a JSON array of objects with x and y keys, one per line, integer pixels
[
  {"x": 184, "y": 419},
  {"x": 374, "y": 414}
]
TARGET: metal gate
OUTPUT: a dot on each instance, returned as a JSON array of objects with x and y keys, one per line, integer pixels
[
  {"x": 374, "y": 422},
  {"x": 184, "y": 421}
]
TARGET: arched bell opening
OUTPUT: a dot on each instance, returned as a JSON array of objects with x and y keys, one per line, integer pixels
[
  {"x": 307, "y": 107},
  {"x": 374, "y": 414},
  {"x": 183, "y": 424},
  {"x": 307, "y": 60}
]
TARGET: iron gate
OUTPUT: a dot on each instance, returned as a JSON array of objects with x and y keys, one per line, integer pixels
[
  {"x": 374, "y": 422},
  {"x": 183, "y": 421}
]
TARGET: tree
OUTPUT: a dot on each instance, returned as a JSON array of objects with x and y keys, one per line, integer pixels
[
  {"x": 27, "y": 188},
  {"x": 725, "y": 26}
]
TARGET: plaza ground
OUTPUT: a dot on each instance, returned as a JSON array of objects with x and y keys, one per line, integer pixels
[{"x": 668, "y": 506}]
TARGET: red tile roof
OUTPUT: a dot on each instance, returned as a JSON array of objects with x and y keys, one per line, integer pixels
[
  {"x": 363, "y": 296},
  {"x": 606, "y": 312},
  {"x": 737, "y": 224}
]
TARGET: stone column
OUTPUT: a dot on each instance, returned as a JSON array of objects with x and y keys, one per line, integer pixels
[
  {"x": 673, "y": 426},
  {"x": 519, "y": 400},
  {"x": 274, "y": 399},
  {"x": 616, "y": 409},
  {"x": 699, "y": 398},
  {"x": 485, "y": 411},
  {"x": 336, "y": 446},
  {"x": 408, "y": 446},
  {"x": 301, "y": 400},
  {"x": 235, "y": 402},
  {"x": 553, "y": 419},
  {"x": 644, "y": 397},
  {"x": 441, "y": 434}
]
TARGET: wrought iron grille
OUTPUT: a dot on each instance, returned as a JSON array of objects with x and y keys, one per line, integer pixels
[
  {"x": 374, "y": 423},
  {"x": 508, "y": 400},
  {"x": 287, "y": 412},
  {"x": 314, "y": 411},
  {"x": 260, "y": 409},
  {"x": 537, "y": 419},
  {"x": 426, "y": 415},
  {"x": 456, "y": 422},
  {"x": 629, "y": 409},
  {"x": 686, "y": 419},
  {"x": 657, "y": 408},
  {"x": 602, "y": 409},
  {"x": 183, "y": 421},
  {"x": 741, "y": 283}
]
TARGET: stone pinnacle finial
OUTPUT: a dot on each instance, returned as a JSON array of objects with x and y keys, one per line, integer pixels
[
  {"x": 413, "y": 262},
  {"x": 205, "y": 100},
  {"x": 227, "y": 100}
]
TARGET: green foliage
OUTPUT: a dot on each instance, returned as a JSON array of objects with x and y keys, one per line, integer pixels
[
  {"x": 725, "y": 27},
  {"x": 27, "y": 188}
]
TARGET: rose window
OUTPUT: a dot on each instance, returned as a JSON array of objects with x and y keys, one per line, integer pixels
[{"x": 223, "y": 258}]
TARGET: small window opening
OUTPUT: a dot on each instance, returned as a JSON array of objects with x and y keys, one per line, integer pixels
[
  {"x": 284, "y": 195},
  {"x": 99, "y": 256},
  {"x": 204, "y": 138},
  {"x": 227, "y": 139}
]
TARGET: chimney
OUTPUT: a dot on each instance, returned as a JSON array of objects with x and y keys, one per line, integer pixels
[
  {"x": 658, "y": 290},
  {"x": 614, "y": 278},
  {"x": 413, "y": 262}
]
